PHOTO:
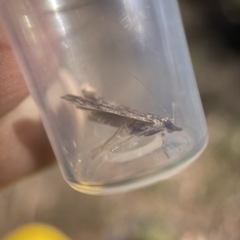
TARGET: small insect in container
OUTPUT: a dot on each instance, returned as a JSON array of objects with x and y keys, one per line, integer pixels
[{"x": 114, "y": 85}]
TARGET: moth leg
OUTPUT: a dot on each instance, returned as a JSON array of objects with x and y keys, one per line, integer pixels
[
  {"x": 120, "y": 145},
  {"x": 129, "y": 128},
  {"x": 113, "y": 136},
  {"x": 122, "y": 127},
  {"x": 163, "y": 144},
  {"x": 103, "y": 146},
  {"x": 129, "y": 132},
  {"x": 152, "y": 132}
]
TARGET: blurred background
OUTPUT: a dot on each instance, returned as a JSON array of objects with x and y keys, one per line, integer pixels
[{"x": 201, "y": 202}]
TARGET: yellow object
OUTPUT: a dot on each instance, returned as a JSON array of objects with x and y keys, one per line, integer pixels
[{"x": 36, "y": 231}]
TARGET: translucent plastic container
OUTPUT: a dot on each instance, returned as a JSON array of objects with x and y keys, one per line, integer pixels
[{"x": 114, "y": 85}]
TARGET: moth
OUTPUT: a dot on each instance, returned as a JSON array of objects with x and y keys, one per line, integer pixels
[{"x": 134, "y": 122}]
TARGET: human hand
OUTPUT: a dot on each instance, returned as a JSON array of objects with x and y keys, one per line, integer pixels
[{"x": 24, "y": 146}]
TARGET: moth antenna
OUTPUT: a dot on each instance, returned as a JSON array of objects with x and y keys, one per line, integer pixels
[
  {"x": 155, "y": 99},
  {"x": 173, "y": 111}
]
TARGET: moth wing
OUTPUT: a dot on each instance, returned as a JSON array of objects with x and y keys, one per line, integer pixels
[
  {"x": 110, "y": 119},
  {"x": 102, "y": 105}
]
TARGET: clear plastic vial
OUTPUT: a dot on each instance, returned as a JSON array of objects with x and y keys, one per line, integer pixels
[{"x": 114, "y": 85}]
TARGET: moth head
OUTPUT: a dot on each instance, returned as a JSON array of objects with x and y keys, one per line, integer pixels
[{"x": 169, "y": 125}]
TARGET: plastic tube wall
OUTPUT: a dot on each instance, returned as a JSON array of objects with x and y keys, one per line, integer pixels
[{"x": 114, "y": 85}]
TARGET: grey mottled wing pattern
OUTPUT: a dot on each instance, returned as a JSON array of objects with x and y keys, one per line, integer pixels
[
  {"x": 110, "y": 119},
  {"x": 102, "y": 105}
]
